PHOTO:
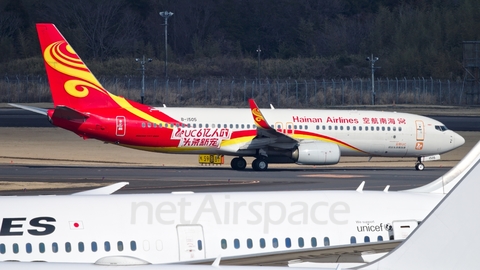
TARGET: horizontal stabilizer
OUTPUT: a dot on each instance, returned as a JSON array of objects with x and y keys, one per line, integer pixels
[
  {"x": 30, "y": 108},
  {"x": 107, "y": 190},
  {"x": 67, "y": 113}
]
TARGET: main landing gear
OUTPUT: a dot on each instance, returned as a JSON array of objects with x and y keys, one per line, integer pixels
[
  {"x": 419, "y": 165},
  {"x": 239, "y": 164}
]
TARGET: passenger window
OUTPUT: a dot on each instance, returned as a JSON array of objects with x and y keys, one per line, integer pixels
[
  {"x": 318, "y": 127},
  {"x": 159, "y": 245},
  {"x": 326, "y": 241},
  {"x": 275, "y": 242},
  {"x": 348, "y": 127},
  {"x": 366, "y": 239},
  {"x": 336, "y": 127},
  {"x": 199, "y": 245},
  {"x": 288, "y": 242},
  {"x": 236, "y": 243},
  {"x": 107, "y": 246},
  {"x": 380, "y": 238},
  {"x": 329, "y": 127},
  {"x": 2, "y": 249},
  {"x": 323, "y": 127},
  {"x": 248, "y": 126},
  {"x": 149, "y": 124},
  {"x": 223, "y": 243},
  {"x": 354, "y": 128},
  {"x": 289, "y": 126},
  {"x": 206, "y": 125},
  {"x": 341, "y": 127},
  {"x": 388, "y": 128},
  {"x": 231, "y": 125},
  {"x": 236, "y": 126},
  {"x": 225, "y": 126},
  {"x": 301, "y": 243},
  {"x": 306, "y": 127},
  {"x": 54, "y": 247},
  {"x": 143, "y": 124},
  {"x": 94, "y": 246},
  {"x": 41, "y": 247},
  {"x": 154, "y": 125},
  {"x": 400, "y": 129},
  {"x": 133, "y": 245},
  {"x": 394, "y": 128},
  {"x": 199, "y": 125},
  {"x": 294, "y": 126},
  {"x": 194, "y": 125},
  {"x": 243, "y": 126},
  {"x": 249, "y": 243},
  {"x": 353, "y": 240},
  {"x": 378, "y": 128},
  {"x": 28, "y": 248},
  {"x": 314, "y": 241},
  {"x": 81, "y": 247},
  {"x": 120, "y": 246},
  {"x": 68, "y": 247},
  {"x": 15, "y": 248},
  {"x": 262, "y": 242},
  {"x": 299, "y": 126}
]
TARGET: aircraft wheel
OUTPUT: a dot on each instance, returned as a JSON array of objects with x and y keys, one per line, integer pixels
[
  {"x": 419, "y": 167},
  {"x": 238, "y": 163},
  {"x": 260, "y": 164}
]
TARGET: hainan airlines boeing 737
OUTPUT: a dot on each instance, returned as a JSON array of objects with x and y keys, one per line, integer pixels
[
  {"x": 243, "y": 227},
  {"x": 445, "y": 240},
  {"x": 311, "y": 137}
]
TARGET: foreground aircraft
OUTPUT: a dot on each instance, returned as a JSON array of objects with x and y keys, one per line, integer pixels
[
  {"x": 310, "y": 137},
  {"x": 445, "y": 240},
  {"x": 243, "y": 227}
]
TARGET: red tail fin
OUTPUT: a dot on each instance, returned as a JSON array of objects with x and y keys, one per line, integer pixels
[{"x": 72, "y": 84}]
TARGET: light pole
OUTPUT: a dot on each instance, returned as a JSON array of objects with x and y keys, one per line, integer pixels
[
  {"x": 166, "y": 15},
  {"x": 258, "y": 69},
  {"x": 142, "y": 64},
  {"x": 372, "y": 61}
]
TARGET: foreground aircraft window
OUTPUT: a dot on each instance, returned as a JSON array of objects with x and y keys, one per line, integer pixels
[
  {"x": 318, "y": 127},
  {"x": 248, "y": 126},
  {"x": 336, "y": 127},
  {"x": 306, "y": 127},
  {"x": 236, "y": 243},
  {"x": 353, "y": 240},
  {"x": 146, "y": 245},
  {"x": 68, "y": 247},
  {"x": 154, "y": 125},
  {"x": 299, "y": 126},
  {"x": 262, "y": 243},
  {"x": 326, "y": 241},
  {"x": 323, "y": 127},
  {"x": 81, "y": 247},
  {"x": 366, "y": 239},
  {"x": 388, "y": 128},
  {"x": 288, "y": 242},
  {"x": 199, "y": 125},
  {"x": 28, "y": 247},
  {"x": 394, "y": 128},
  {"x": 94, "y": 246},
  {"x": 360, "y": 128},
  {"x": 206, "y": 125},
  {"x": 329, "y": 127},
  {"x": 348, "y": 127},
  {"x": 223, "y": 243},
  {"x": 378, "y": 128},
  {"x": 294, "y": 126},
  {"x": 366, "y": 128},
  {"x": 236, "y": 126},
  {"x": 399, "y": 128},
  {"x": 133, "y": 245},
  {"x": 54, "y": 247},
  {"x": 2, "y": 249},
  {"x": 143, "y": 124},
  {"x": 107, "y": 246},
  {"x": 275, "y": 242},
  {"x": 149, "y": 124},
  {"x": 41, "y": 247},
  {"x": 159, "y": 245},
  {"x": 314, "y": 241},
  {"x": 243, "y": 126},
  {"x": 225, "y": 125},
  {"x": 120, "y": 246},
  {"x": 354, "y": 128},
  {"x": 301, "y": 243},
  {"x": 341, "y": 127},
  {"x": 249, "y": 243},
  {"x": 194, "y": 125},
  {"x": 199, "y": 245},
  {"x": 380, "y": 238},
  {"x": 15, "y": 248},
  {"x": 372, "y": 128}
]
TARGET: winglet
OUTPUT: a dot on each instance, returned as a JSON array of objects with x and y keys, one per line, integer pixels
[
  {"x": 258, "y": 116},
  {"x": 216, "y": 263},
  {"x": 107, "y": 190},
  {"x": 360, "y": 188}
]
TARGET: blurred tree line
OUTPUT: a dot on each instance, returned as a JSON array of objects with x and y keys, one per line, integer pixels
[{"x": 219, "y": 38}]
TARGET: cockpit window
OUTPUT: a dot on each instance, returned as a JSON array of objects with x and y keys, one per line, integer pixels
[{"x": 441, "y": 128}]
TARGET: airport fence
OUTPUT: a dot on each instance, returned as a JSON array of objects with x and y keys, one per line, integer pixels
[{"x": 236, "y": 92}]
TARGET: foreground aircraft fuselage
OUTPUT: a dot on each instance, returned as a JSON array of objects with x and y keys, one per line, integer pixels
[
  {"x": 184, "y": 227},
  {"x": 311, "y": 137}
]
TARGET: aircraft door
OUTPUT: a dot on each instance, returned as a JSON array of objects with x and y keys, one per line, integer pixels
[
  {"x": 191, "y": 242},
  {"x": 420, "y": 131},
  {"x": 121, "y": 126},
  {"x": 402, "y": 228}
]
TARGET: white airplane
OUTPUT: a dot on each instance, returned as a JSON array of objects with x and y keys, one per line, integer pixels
[
  {"x": 242, "y": 227},
  {"x": 310, "y": 137},
  {"x": 446, "y": 239}
]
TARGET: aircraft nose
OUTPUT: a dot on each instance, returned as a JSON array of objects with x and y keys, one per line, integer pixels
[{"x": 457, "y": 140}]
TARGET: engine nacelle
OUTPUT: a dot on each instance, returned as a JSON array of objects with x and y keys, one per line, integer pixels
[{"x": 316, "y": 153}]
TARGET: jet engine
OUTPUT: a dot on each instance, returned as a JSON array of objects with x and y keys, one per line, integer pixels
[{"x": 316, "y": 153}]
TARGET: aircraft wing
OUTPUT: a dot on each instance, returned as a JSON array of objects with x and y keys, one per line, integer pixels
[
  {"x": 266, "y": 135},
  {"x": 318, "y": 254},
  {"x": 30, "y": 108}
]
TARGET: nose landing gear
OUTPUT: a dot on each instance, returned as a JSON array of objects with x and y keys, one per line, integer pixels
[{"x": 419, "y": 165}]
